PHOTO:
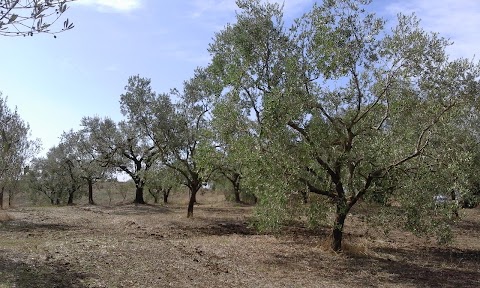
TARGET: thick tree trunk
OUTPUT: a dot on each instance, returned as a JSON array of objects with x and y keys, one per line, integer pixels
[
  {"x": 237, "y": 196},
  {"x": 337, "y": 233},
  {"x": 154, "y": 193},
  {"x": 193, "y": 199},
  {"x": 166, "y": 192},
  {"x": 70, "y": 199},
  {"x": 236, "y": 190},
  {"x": 139, "y": 195},
  {"x": 90, "y": 192},
  {"x": 190, "y": 204}
]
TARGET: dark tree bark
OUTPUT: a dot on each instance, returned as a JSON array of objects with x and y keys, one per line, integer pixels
[
  {"x": 166, "y": 193},
  {"x": 1, "y": 198},
  {"x": 191, "y": 203},
  {"x": 337, "y": 233},
  {"x": 194, "y": 186},
  {"x": 90, "y": 192},
  {"x": 154, "y": 193},
  {"x": 234, "y": 178},
  {"x": 10, "y": 199},
  {"x": 70, "y": 198},
  {"x": 139, "y": 194},
  {"x": 236, "y": 189}
]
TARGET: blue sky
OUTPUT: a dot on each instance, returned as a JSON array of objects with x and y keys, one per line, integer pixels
[{"x": 55, "y": 82}]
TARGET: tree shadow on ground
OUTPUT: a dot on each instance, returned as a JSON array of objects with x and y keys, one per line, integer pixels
[
  {"x": 432, "y": 267},
  {"x": 224, "y": 228},
  {"x": 419, "y": 267},
  {"x": 129, "y": 209},
  {"x": 26, "y": 226},
  {"x": 468, "y": 226},
  {"x": 17, "y": 273}
]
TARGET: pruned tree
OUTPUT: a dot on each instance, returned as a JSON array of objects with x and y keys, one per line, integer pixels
[
  {"x": 121, "y": 146},
  {"x": 176, "y": 129},
  {"x": 340, "y": 107},
  {"x": 29, "y": 17},
  {"x": 58, "y": 176},
  {"x": 80, "y": 151}
]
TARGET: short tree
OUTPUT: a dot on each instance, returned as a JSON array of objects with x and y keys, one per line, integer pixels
[{"x": 57, "y": 176}]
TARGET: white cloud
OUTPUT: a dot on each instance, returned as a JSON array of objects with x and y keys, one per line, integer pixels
[
  {"x": 202, "y": 7},
  {"x": 112, "y": 5},
  {"x": 454, "y": 19}
]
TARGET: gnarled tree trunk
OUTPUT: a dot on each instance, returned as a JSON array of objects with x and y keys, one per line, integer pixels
[
  {"x": 90, "y": 192},
  {"x": 1, "y": 197},
  {"x": 337, "y": 232},
  {"x": 139, "y": 194},
  {"x": 194, "y": 187}
]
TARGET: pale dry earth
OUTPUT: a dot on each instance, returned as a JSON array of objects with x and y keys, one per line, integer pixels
[{"x": 157, "y": 246}]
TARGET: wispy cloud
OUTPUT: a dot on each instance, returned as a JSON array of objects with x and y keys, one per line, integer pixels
[
  {"x": 454, "y": 19},
  {"x": 205, "y": 7},
  {"x": 112, "y": 5}
]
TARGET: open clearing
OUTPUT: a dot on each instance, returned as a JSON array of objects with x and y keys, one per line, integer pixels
[{"x": 157, "y": 246}]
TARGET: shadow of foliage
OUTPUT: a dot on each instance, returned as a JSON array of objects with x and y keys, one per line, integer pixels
[
  {"x": 17, "y": 273},
  {"x": 26, "y": 226}
]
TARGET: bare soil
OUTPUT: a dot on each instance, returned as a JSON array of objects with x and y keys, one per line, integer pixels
[{"x": 157, "y": 246}]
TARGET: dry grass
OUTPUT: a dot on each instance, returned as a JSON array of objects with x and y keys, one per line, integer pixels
[{"x": 157, "y": 246}]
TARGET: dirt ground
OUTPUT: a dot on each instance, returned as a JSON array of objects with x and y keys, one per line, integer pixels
[{"x": 157, "y": 246}]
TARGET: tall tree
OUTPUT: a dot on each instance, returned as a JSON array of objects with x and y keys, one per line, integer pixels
[
  {"x": 337, "y": 105},
  {"x": 122, "y": 146},
  {"x": 29, "y": 17},
  {"x": 176, "y": 129}
]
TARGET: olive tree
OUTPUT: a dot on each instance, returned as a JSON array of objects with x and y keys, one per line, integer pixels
[
  {"x": 29, "y": 17},
  {"x": 339, "y": 106},
  {"x": 121, "y": 146},
  {"x": 176, "y": 129},
  {"x": 57, "y": 175},
  {"x": 16, "y": 149},
  {"x": 86, "y": 159}
]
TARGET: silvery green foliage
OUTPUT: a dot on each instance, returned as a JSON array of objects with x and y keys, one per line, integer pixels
[
  {"x": 342, "y": 107},
  {"x": 57, "y": 176},
  {"x": 29, "y": 17},
  {"x": 16, "y": 149}
]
